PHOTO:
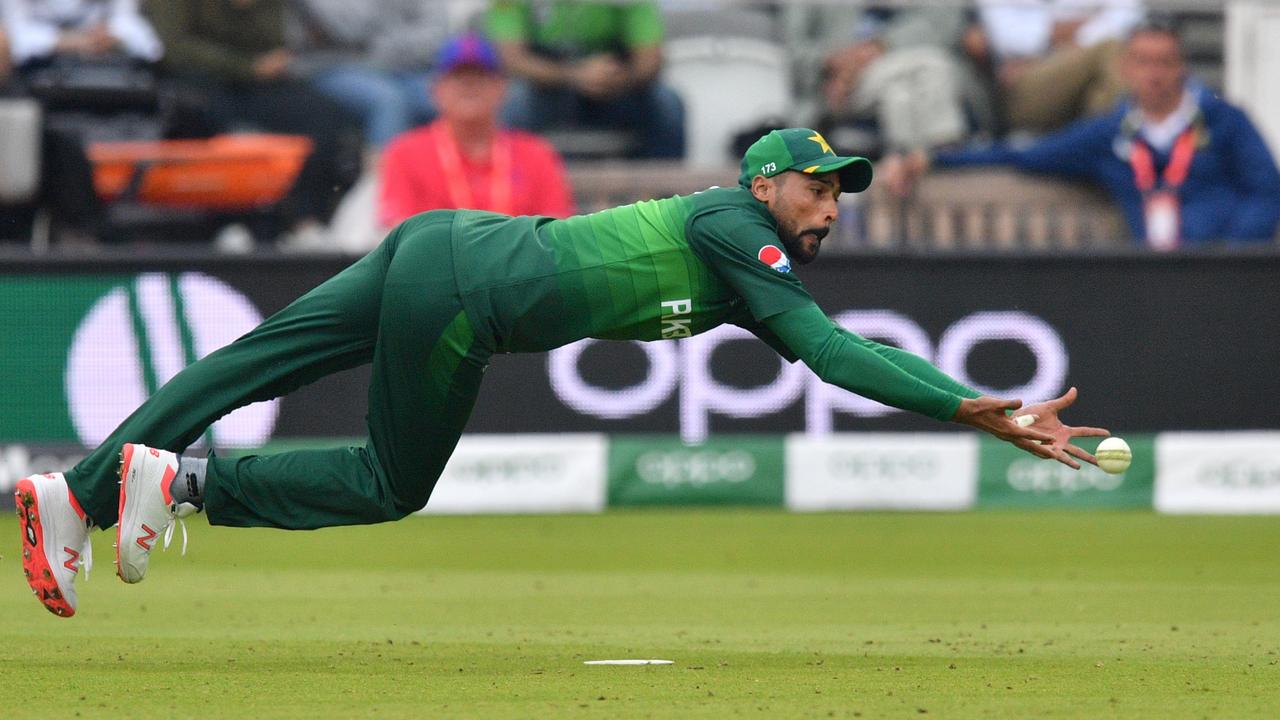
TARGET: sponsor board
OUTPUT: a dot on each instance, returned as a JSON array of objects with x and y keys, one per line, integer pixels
[
  {"x": 1011, "y": 478},
  {"x": 87, "y": 340},
  {"x": 1218, "y": 472},
  {"x": 881, "y": 471},
  {"x": 523, "y": 474},
  {"x": 730, "y": 470},
  {"x": 102, "y": 345},
  {"x": 686, "y": 371}
]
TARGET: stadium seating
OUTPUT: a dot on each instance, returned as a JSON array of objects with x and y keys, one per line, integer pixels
[
  {"x": 19, "y": 150},
  {"x": 731, "y": 71}
]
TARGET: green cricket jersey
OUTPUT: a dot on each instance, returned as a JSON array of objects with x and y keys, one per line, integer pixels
[
  {"x": 657, "y": 269},
  {"x": 576, "y": 29}
]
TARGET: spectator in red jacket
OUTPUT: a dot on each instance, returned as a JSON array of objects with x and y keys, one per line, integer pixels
[{"x": 465, "y": 159}]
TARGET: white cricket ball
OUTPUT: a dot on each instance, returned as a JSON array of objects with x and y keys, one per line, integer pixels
[{"x": 1113, "y": 455}]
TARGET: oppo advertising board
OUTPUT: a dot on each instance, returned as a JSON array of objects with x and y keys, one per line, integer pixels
[{"x": 1154, "y": 343}]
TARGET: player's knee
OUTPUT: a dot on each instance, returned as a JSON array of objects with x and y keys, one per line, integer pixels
[{"x": 406, "y": 503}]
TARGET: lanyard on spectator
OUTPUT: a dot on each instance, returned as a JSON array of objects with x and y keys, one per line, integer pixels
[
  {"x": 1161, "y": 210},
  {"x": 1175, "y": 173},
  {"x": 459, "y": 184}
]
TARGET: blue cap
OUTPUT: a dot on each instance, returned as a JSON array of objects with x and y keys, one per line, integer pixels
[{"x": 469, "y": 50}]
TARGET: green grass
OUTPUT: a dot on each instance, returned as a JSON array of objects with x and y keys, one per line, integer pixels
[{"x": 767, "y": 615}]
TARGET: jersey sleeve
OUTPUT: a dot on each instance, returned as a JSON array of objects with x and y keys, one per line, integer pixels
[
  {"x": 761, "y": 331},
  {"x": 849, "y": 361},
  {"x": 745, "y": 252}
]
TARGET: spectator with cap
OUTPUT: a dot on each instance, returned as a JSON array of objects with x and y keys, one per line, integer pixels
[
  {"x": 465, "y": 159},
  {"x": 1185, "y": 166},
  {"x": 593, "y": 64}
]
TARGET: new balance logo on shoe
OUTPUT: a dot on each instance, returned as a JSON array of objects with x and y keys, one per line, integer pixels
[
  {"x": 144, "y": 541},
  {"x": 71, "y": 562}
]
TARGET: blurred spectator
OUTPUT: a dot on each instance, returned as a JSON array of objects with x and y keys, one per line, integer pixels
[
  {"x": 589, "y": 63},
  {"x": 906, "y": 73},
  {"x": 1184, "y": 166},
  {"x": 228, "y": 57},
  {"x": 5, "y": 64},
  {"x": 1057, "y": 58},
  {"x": 42, "y": 30},
  {"x": 464, "y": 159},
  {"x": 71, "y": 55},
  {"x": 372, "y": 57}
]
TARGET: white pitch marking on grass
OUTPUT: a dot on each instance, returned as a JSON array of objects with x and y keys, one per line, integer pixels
[{"x": 628, "y": 662}]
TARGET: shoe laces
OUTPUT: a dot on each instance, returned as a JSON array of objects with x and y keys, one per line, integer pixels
[
  {"x": 86, "y": 553},
  {"x": 178, "y": 511}
]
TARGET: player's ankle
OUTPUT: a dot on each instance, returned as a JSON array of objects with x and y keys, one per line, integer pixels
[{"x": 188, "y": 485}]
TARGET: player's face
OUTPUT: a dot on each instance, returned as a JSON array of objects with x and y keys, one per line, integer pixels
[
  {"x": 1154, "y": 71},
  {"x": 805, "y": 208}
]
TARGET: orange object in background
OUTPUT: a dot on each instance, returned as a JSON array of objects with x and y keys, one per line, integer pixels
[{"x": 226, "y": 172}]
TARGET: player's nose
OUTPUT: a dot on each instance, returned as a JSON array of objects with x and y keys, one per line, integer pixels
[{"x": 831, "y": 212}]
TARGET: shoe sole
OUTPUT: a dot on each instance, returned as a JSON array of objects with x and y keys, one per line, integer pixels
[
  {"x": 126, "y": 462},
  {"x": 35, "y": 564}
]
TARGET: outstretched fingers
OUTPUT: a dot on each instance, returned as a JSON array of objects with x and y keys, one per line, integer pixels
[
  {"x": 1081, "y": 453},
  {"x": 1088, "y": 432},
  {"x": 1064, "y": 401},
  {"x": 1029, "y": 433},
  {"x": 1064, "y": 458},
  {"x": 1035, "y": 448}
]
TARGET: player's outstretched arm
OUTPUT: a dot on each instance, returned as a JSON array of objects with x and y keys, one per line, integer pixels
[
  {"x": 837, "y": 357},
  {"x": 915, "y": 365}
]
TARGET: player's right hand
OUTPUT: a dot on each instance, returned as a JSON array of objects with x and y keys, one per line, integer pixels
[{"x": 989, "y": 415}]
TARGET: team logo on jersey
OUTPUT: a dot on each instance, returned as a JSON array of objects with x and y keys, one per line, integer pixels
[{"x": 773, "y": 257}]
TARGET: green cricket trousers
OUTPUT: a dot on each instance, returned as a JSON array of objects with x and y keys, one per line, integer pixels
[{"x": 399, "y": 308}]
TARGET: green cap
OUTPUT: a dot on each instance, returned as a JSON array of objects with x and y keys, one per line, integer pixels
[{"x": 804, "y": 150}]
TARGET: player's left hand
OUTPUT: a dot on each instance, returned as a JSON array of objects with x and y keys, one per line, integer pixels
[{"x": 1047, "y": 421}]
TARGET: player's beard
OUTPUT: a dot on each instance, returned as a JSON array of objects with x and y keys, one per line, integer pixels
[{"x": 802, "y": 244}]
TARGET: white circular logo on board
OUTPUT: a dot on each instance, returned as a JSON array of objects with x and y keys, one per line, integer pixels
[{"x": 105, "y": 370}]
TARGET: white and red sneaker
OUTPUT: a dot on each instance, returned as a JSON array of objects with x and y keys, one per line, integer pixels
[
  {"x": 147, "y": 508},
  {"x": 55, "y": 540}
]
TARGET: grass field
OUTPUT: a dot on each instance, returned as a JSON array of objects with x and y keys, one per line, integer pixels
[{"x": 767, "y": 615}]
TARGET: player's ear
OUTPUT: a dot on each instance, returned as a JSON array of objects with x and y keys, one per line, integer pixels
[{"x": 763, "y": 188}]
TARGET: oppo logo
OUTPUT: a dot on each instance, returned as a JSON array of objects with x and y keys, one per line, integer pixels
[
  {"x": 509, "y": 470},
  {"x": 1035, "y": 476},
  {"x": 695, "y": 467},
  {"x": 138, "y": 336},
  {"x": 1240, "y": 476},
  {"x": 683, "y": 368},
  {"x": 884, "y": 467}
]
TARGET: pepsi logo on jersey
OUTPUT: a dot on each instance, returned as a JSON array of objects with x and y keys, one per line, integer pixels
[{"x": 773, "y": 257}]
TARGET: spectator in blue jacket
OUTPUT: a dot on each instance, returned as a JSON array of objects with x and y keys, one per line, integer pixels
[{"x": 1185, "y": 166}]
